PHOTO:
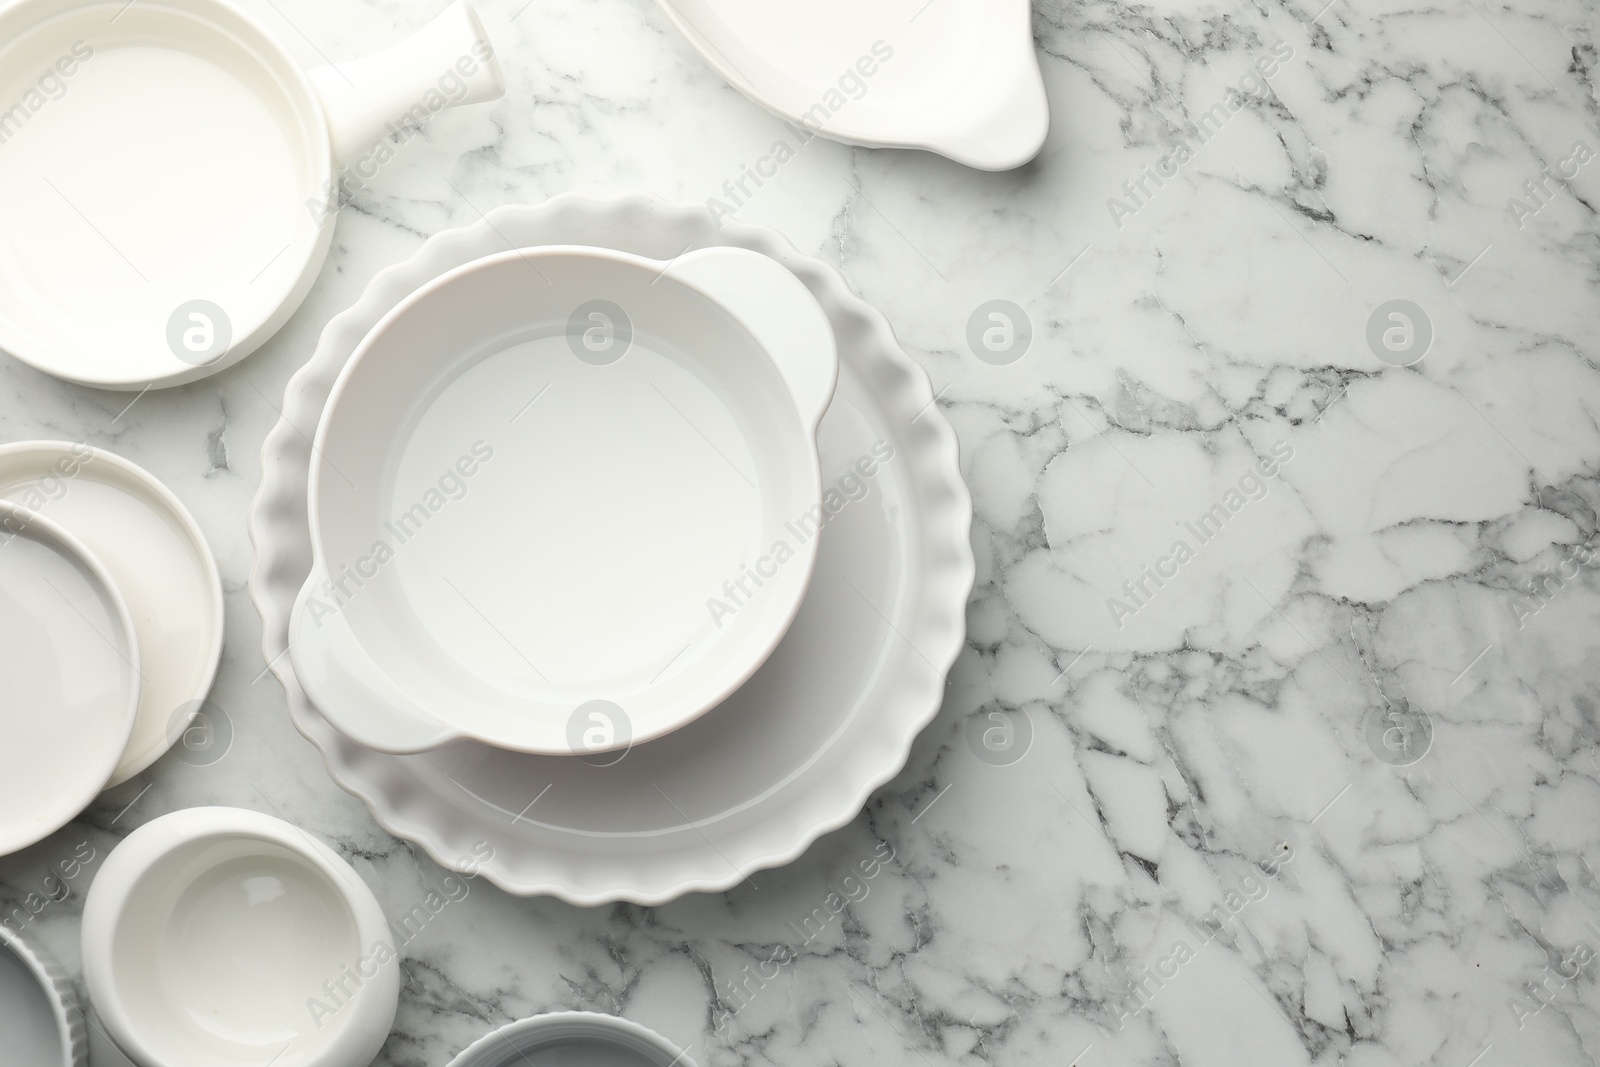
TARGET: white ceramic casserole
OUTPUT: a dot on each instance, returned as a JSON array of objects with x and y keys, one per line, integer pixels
[
  {"x": 564, "y": 500},
  {"x": 233, "y": 939}
]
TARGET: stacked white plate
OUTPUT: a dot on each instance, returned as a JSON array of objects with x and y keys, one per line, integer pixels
[
  {"x": 110, "y": 629},
  {"x": 792, "y": 751}
]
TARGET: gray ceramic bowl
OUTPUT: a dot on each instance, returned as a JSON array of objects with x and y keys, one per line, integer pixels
[{"x": 573, "y": 1039}]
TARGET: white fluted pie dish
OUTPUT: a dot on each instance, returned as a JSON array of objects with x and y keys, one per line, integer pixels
[{"x": 799, "y": 748}]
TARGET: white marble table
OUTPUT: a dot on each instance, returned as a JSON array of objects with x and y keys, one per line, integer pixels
[{"x": 1319, "y": 786}]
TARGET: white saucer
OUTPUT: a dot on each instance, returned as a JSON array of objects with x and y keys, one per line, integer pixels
[
  {"x": 159, "y": 560},
  {"x": 799, "y": 748},
  {"x": 69, "y": 668}
]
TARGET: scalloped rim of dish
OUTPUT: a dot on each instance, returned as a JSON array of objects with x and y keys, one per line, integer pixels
[
  {"x": 1007, "y": 135},
  {"x": 71, "y": 1026},
  {"x": 280, "y": 534}
]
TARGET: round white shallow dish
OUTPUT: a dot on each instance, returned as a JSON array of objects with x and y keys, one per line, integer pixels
[
  {"x": 40, "y": 1021},
  {"x": 159, "y": 561},
  {"x": 231, "y": 938},
  {"x": 169, "y": 176},
  {"x": 572, "y": 1039},
  {"x": 69, "y": 664},
  {"x": 516, "y": 532},
  {"x": 957, "y": 77},
  {"x": 796, "y": 752}
]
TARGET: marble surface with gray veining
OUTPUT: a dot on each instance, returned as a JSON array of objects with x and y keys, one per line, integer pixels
[{"x": 1285, "y": 521}]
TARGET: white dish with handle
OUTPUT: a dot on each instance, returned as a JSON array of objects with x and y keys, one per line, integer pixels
[
  {"x": 565, "y": 500},
  {"x": 169, "y": 174},
  {"x": 796, "y": 752}
]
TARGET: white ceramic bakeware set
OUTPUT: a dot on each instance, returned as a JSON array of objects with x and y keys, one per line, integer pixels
[{"x": 628, "y": 555}]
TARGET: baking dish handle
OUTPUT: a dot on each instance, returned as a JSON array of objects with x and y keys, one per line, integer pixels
[
  {"x": 778, "y": 310},
  {"x": 446, "y": 63},
  {"x": 348, "y": 687}
]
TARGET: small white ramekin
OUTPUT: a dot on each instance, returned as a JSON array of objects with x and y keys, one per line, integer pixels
[{"x": 230, "y": 938}]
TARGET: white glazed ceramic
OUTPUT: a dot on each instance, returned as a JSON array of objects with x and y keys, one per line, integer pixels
[
  {"x": 69, "y": 668},
  {"x": 41, "y": 1024},
  {"x": 797, "y": 751},
  {"x": 510, "y": 525},
  {"x": 229, "y": 938},
  {"x": 158, "y": 559},
  {"x": 957, "y": 77},
  {"x": 160, "y": 154},
  {"x": 572, "y": 1039}
]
